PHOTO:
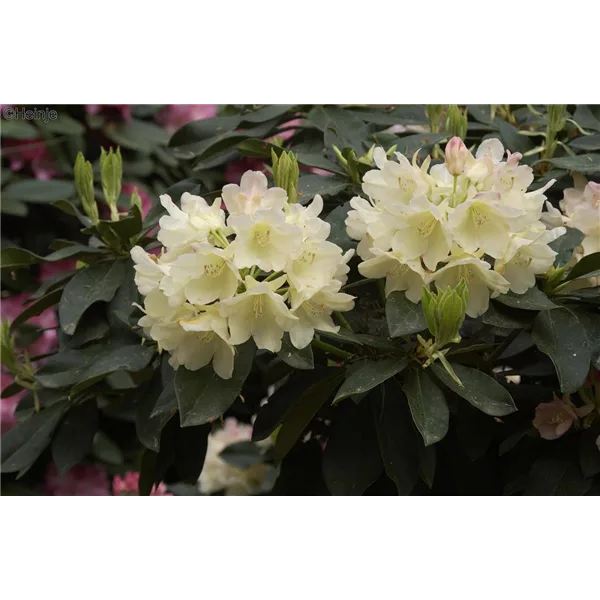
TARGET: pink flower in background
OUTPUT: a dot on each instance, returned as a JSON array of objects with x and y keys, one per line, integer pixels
[
  {"x": 554, "y": 419},
  {"x": 52, "y": 269},
  {"x": 286, "y": 135},
  {"x": 30, "y": 153},
  {"x": 235, "y": 170},
  {"x": 146, "y": 202},
  {"x": 81, "y": 480},
  {"x": 174, "y": 116},
  {"x": 48, "y": 340},
  {"x": 128, "y": 486},
  {"x": 121, "y": 110}
]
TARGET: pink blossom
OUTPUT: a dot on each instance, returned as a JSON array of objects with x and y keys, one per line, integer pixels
[
  {"x": 146, "y": 202},
  {"x": 48, "y": 270},
  {"x": 286, "y": 135},
  {"x": 47, "y": 321},
  {"x": 235, "y": 170},
  {"x": 81, "y": 480},
  {"x": 128, "y": 486},
  {"x": 30, "y": 153},
  {"x": 123, "y": 111},
  {"x": 554, "y": 419},
  {"x": 174, "y": 116},
  {"x": 456, "y": 156}
]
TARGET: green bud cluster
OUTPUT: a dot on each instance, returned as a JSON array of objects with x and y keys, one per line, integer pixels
[
  {"x": 435, "y": 112},
  {"x": 556, "y": 117},
  {"x": 286, "y": 173},
  {"x": 84, "y": 183},
  {"x": 111, "y": 169},
  {"x": 456, "y": 121}
]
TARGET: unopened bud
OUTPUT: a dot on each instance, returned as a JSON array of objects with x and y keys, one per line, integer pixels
[
  {"x": 456, "y": 156},
  {"x": 135, "y": 200},
  {"x": 111, "y": 167},
  {"x": 286, "y": 173},
  {"x": 84, "y": 183},
  {"x": 434, "y": 113},
  {"x": 444, "y": 312},
  {"x": 556, "y": 116}
]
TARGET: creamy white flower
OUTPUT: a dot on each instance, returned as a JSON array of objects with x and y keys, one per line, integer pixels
[
  {"x": 527, "y": 257},
  {"x": 252, "y": 195},
  {"x": 193, "y": 222},
  {"x": 202, "y": 276},
  {"x": 148, "y": 270},
  {"x": 209, "y": 341},
  {"x": 401, "y": 274},
  {"x": 260, "y": 313},
  {"x": 220, "y": 476},
  {"x": 479, "y": 278},
  {"x": 483, "y": 223},
  {"x": 422, "y": 233},
  {"x": 307, "y": 219},
  {"x": 264, "y": 239},
  {"x": 315, "y": 314},
  {"x": 341, "y": 273}
]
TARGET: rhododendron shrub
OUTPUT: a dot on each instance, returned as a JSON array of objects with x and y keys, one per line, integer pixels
[{"x": 301, "y": 300}]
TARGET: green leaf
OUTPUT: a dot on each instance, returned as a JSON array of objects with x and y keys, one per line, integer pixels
[
  {"x": 511, "y": 138},
  {"x": 397, "y": 440},
  {"x": 589, "y": 456},
  {"x": 311, "y": 184},
  {"x": 341, "y": 127},
  {"x": 266, "y": 113},
  {"x": 18, "y": 129},
  {"x": 427, "y": 405},
  {"x": 143, "y": 136},
  {"x": 203, "y": 129},
  {"x": 148, "y": 425},
  {"x": 586, "y": 142},
  {"x": 299, "y": 359},
  {"x": 19, "y": 257},
  {"x": 75, "y": 435},
  {"x": 409, "y": 144},
  {"x": 585, "y": 117},
  {"x": 481, "y": 390},
  {"x": 190, "y": 448},
  {"x": 559, "y": 334},
  {"x": 36, "y": 308},
  {"x": 370, "y": 375},
  {"x": 565, "y": 244},
  {"x": 303, "y": 411},
  {"x": 23, "y": 444},
  {"x": 403, "y": 316},
  {"x": 64, "y": 125},
  {"x": 96, "y": 283},
  {"x": 106, "y": 450},
  {"x": 242, "y": 455},
  {"x": 583, "y": 163},
  {"x": 203, "y": 396},
  {"x": 550, "y": 477},
  {"x": 587, "y": 265},
  {"x": 352, "y": 460},
  {"x": 33, "y": 190},
  {"x": 500, "y": 315},
  {"x": 338, "y": 234},
  {"x": 532, "y": 299}
]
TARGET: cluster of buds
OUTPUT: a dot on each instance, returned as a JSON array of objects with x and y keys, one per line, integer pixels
[
  {"x": 259, "y": 268},
  {"x": 470, "y": 218}
]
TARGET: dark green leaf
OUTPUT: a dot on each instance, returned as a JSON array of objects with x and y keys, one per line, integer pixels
[
  {"x": 299, "y": 359},
  {"x": 96, "y": 283},
  {"x": 338, "y": 234},
  {"x": 500, "y": 315},
  {"x": 325, "y": 185},
  {"x": 550, "y": 477},
  {"x": 352, "y": 460},
  {"x": 64, "y": 125},
  {"x": 242, "y": 455},
  {"x": 203, "y": 396},
  {"x": 589, "y": 454},
  {"x": 34, "y": 190},
  {"x": 143, "y": 136},
  {"x": 559, "y": 334},
  {"x": 341, "y": 127},
  {"x": 303, "y": 411},
  {"x": 481, "y": 390},
  {"x": 532, "y": 299},
  {"x": 266, "y": 113},
  {"x": 149, "y": 426},
  {"x": 190, "y": 451},
  {"x": 585, "y": 117},
  {"x": 587, "y": 265},
  {"x": 203, "y": 129},
  {"x": 565, "y": 244},
  {"x": 75, "y": 435},
  {"x": 583, "y": 163},
  {"x": 409, "y": 144},
  {"x": 106, "y": 450},
  {"x": 403, "y": 316},
  {"x": 36, "y": 308},
  {"x": 511, "y": 138},
  {"x": 23, "y": 444},
  {"x": 396, "y": 436},
  {"x": 18, "y": 129},
  {"x": 370, "y": 375},
  {"x": 586, "y": 142},
  {"x": 427, "y": 405}
]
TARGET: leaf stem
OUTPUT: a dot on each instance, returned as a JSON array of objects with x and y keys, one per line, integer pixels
[
  {"x": 342, "y": 320},
  {"x": 357, "y": 283},
  {"x": 331, "y": 349}
]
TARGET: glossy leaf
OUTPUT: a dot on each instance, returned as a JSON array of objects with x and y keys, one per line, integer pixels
[
  {"x": 403, "y": 316},
  {"x": 298, "y": 359},
  {"x": 532, "y": 299}
]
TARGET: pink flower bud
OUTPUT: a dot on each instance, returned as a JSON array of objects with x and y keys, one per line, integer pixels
[{"x": 456, "y": 156}]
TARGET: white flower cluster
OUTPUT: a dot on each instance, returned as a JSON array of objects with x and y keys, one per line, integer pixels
[
  {"x": 264, "y": 269},
  {"x": 580, "y": 208},
  {"x": 220, "y": 476},
  {"x": 470, "y": 218}
]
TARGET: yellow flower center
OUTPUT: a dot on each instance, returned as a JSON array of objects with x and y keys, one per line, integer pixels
[
  {"x": 257, "y": 306},
  {"x": 479, "y": 219},
  {"x": 214, "y": 269},
  {"x": 407, "y": 185},
  {"x": 397, "y": 270},
  {"x": 314, "y": 308},
  {"x": 262, "y": 236},
  {"x": 521, "y": 261},
  {"x": 425, "y": 227},
  {"x": 207, "y": 336},
  {"x": 307, "y": 257}
]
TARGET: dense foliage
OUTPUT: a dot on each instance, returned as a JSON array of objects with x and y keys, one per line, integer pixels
[{"x": 403, "y": 394}]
